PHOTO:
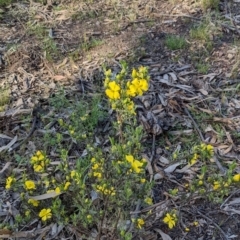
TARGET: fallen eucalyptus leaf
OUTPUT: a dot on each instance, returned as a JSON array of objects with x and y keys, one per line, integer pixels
[{"x": 171, "y": 168}]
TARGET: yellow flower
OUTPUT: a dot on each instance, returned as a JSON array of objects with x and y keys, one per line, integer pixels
[
  {"x": 236, "y": 178},
  {"x": 37, "y": 168},
  {"x": 175, "y": 155},
  {"x": 89, "y": 217},
  {"x": 142, "y": 180},
  {"x": 95, "y": 166},
  {"x": 226, "y": 184},
  {"x": 143, "y": 84},
  {"x": 9, "y": 182},
  {"x": 97, "y": 174},
  {"x": 30, "y": 185},
  {"x": 45, "y": 214},
  {"x": 216, "y": 185},
  {"x": 46, "y": 182},
  {"x": 73, "y": 174},
  {"x": 137, "y": 87},
  {"x": 134, "y": 73},
  {"x": 112, "y": 191},
  {"x": 135, "y": 164},
  {"x": 57, "y": 190},
  {"x": 148, "y": 200},
  {"x": 27, "y": 213},
  {"x": 35, "y": 203},
  {"x": 200, "y": 182},
  {"x": 195, "y": 223},
  {"x": 67, "y": 184},
  {"x": 140, "y": 223},
  {"x": 131, "y": 90},
  {"x": 142, "y": 69},
  {"x": 210, "y": 149},
  {"x": 37, "y": 157},
  {"x": 187, "y": 229},
  {"x": 194, "y": 159},
  {"x": 50, "y": 190},
  {"x": 104, "y": 190},
  {"x": 130, "y": 158},
  {"x": 60, "y": 121},
  {"x": 113, "y": 91},
  {"x": 170, "y": 219}
]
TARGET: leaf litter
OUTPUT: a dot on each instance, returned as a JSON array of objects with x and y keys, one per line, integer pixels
[{"x": 175, "y": 86}]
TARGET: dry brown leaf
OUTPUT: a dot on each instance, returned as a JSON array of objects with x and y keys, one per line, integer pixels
[
  {"x": 206, "y": 110},
  {"x": 5, "y": 136},
  {"x": 63, "y": 63},
  {"x": 223, "y": 146},
  {"x": 180, "y": 132},
  {"x": 234, "y": 201},
  {"x": 45, "y": 196},
  {"x": 59, "y": 77},
  {"x": 62, "y": 15},
  {"x": 164, "y": 160},
  {"x": 161, "y": 208},
  {"x": 203, "y": 91},
  {"x": 184, "y": 169},
  {"x": 163, "y": 235},
  {"x": 223, "y": 120},
  {"x": 228, "y": 149},
  {"x": 5, "y": 168},
  {"x": 228, "y": 209},
  {"x": 214, "y": 139},
  {"x": 229, "y": 137},
  {"x": 159, "y": 175},
  {"x": 173, "y": 76},
  {"x": 172, "y": 167},
  {"x": 8, "y": 146}
]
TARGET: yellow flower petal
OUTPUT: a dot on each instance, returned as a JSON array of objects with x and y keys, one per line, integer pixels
[{"x": 236, "y": 178}]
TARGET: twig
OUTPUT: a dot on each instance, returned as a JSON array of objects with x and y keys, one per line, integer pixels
[
  {"x": 176, "y": 15},
  {"x": 194, "y": 123},
  {"x": 153, "y": 148},
  {"x": 229, "y": 198},
  {"x": 137, "y": 21},
  {"x": 136, "y": 212},
  {"x": 209, "y": 219},
  {"x": 222, "y": 169},
  {"x": 147, "y": 209}
]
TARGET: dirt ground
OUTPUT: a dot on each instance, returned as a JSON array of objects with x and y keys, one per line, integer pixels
[{"x": 49, "y": 44}]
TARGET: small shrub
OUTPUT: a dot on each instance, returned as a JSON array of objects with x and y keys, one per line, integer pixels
[
  {"x": 102, "y": 186},
  {"x": 175, "y": 42},
  {"x": 4, "y": 3},
  {"x": 209, "y": 4},
  {"x": 203, "y": 68},
  {"x": 200, "y": 33}
]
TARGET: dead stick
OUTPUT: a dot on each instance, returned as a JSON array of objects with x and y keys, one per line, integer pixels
[{"x": 194, "y": 123}]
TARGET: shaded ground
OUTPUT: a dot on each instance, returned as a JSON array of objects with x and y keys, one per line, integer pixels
[{"x": 65, "y": 43}]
